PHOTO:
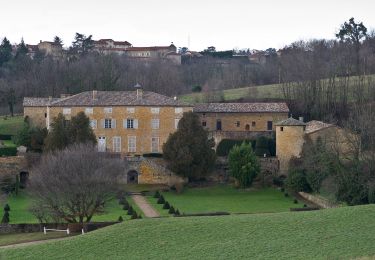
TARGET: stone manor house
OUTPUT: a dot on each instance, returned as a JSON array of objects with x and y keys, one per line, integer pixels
[{"x": 134, "y": 123}]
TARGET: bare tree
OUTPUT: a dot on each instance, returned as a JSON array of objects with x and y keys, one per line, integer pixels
[{"x": 76, "y": 183}]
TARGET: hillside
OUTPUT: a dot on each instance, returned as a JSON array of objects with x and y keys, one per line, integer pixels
[
  {"x": 273, "y": 91},
  {"x": 342, "y": 233}
]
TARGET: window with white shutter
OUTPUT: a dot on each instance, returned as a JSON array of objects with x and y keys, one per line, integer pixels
[
  {"x": 129, "y": 123},
  {"x": 116, "y": 144},
  {"x": 155, "y": 123},
  {"x": 108, "y": 110},
  {"x": 155, "y": 110},
  {"x": 107, "y": 123},
  {"x": 93, "y": 124},
  {"x": 67, "y": 111},
  {"x": 155, "y": 144},
  {"x": 130, "y": 110},
  {"x": 178, "y": 110},
  {"x": 132, "y": 144},
  {"x": 135, "y": 122},
  {"x": 176, "y": 123},
  {"x": 89, "y": 110}
]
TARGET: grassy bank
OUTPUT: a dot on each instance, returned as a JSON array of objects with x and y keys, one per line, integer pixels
[{"x": 342, "y": 233}]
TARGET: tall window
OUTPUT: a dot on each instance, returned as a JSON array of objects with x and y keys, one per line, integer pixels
[
  {"x": 129, "y": 123},
  {"x": 132, "y": 144},
  {"x": 116, "y": 144},
  {"x": 155, "y": 123},
  {"x": 269, "y": 125},
  {"x": 89, "y": 110},
  {"x": 93, "y": 124},
  {"x": 155, "y": 144},
  {"x": 67, "y": 111},
  {"x": 155, "y": 110}
]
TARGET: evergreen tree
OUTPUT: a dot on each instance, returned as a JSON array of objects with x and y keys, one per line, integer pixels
[
  {"x": 80, "y": 130},
  {"x": 188, "y": 151},
  {"x": 82, "y": 44},
  {"x": 58, "y": 40},
  {"x": 243, "y": 164},
  {"x": 5, "y": 218},
  {"x": 21, "y": 49},
  {"x": 58, "y": 135},
  {"x": 11, "y": 100},
  {"x": 5, "y": 51}
]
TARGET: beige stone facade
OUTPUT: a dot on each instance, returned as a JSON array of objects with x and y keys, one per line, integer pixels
[{"x": 36, "y": 115}]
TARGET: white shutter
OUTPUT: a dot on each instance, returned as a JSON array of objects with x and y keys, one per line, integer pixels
[
  {"x": 135, "y": 122},
  {"x": 102, "y": 123},
  {"x": 113, "y": 123},
  {"x": 124, "y": 123}
]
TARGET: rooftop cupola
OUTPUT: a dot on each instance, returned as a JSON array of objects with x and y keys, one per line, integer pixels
[{"x": 139, "y": 91}]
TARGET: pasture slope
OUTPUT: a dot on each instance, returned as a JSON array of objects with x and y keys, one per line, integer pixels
[{"x": 342, "y": 233}]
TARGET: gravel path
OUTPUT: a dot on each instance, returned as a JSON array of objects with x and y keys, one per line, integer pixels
[
  {"x": 34, "y": 242},
  {"x": 143, "y": 204}
]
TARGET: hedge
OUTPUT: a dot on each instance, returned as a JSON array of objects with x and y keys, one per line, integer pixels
[
  {"x": 8, "y": 151},
  {"x": 154, "y": 155},
  {"x": 5, "y": 137},
  {"x": 226, "y": 145}
]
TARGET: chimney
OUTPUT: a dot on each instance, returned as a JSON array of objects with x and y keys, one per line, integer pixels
[
  {"x": 94, "y": 94},
  {"x": 301, "y": 118},
  {"x": 50, "y": 98},
  {"x": 138, "y": 89}
]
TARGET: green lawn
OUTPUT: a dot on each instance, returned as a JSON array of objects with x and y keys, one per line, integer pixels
[
  {"x": 228, "y": 199},
  {"x": 341, "y": 233},
  {"x": 9, "y": 143},
  {"x": 9, "y": 239},
  {"x": 11, "y": 125},
  {"x": 20, "y": 204}
]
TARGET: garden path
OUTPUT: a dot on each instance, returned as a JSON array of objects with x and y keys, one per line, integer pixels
[{"x": 147, "y": 209}]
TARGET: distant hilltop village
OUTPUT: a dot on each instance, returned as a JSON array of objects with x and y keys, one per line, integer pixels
[{"x": 109, "y": 46}]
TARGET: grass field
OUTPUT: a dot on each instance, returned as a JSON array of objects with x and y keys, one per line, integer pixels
[
  {"x": 273, "y": 91},
  {"x": 9, "y": 239},
  {"x": 228, "y": 199},
  {"x": 11, "y": 125},
  {"x": 20, "y": 204},
  {"x": 342, "y": 233}
]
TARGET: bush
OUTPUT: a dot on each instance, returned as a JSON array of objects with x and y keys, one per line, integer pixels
[
  {"x": 161, "y": 200},
  {"x": 139, "y": 216},
  {"x": 130, "y": 210},
  {"x": 120, "y": 219},
  {"x": 126, "y": 206},
  {"x": 196, "y": 89},
  {"x": 282, "y": 189},
  {"x": 296, "y": 181},
  {"x": 171, "y": 210},
  {"x": 134, "y": 215},
  {"x": 166, "y": 205},
  {"x": 286, "y": 194},
  {"x": 279, "y": 180},
  {"x": 6, "y": 207},
  {"x": 226, "y": 145},
  {"x": 304, "y": 205},
  {"x": 5, "y": 137},
  {"x": 157, "y": 194},
  {"x": 153, "y": 155},
  {"x": 8, "y": 151},
  {"x": 122, "y": 201},
  {"x": 295, "y": 201},
  {"x": 5, "y": 218},
  {"x": 177, "y": 213}
]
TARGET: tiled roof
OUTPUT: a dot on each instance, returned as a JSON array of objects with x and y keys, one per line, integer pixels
[
  {"x": 291, "y": 122},
  {"x": 153, "y": 48},
  {"x": 108, "y": 98},
  {"x": 314, "y": 126},
  {"x": 241, "y": 108},
  {"x": 38, "y": 101}
]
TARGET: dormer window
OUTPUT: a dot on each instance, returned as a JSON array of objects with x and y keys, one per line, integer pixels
[
  {"x": 67, "y": 111},
  {"x": 108, "y": 110}
]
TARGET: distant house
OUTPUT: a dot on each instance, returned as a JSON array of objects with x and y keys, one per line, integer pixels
[
  {"x": 55, "y": 50},
  {"x": 240, "y": 120},
  {"x": 108, "y": 46}
]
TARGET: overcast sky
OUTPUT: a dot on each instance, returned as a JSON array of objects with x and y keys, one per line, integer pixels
[{"x": 226, "y": 24}]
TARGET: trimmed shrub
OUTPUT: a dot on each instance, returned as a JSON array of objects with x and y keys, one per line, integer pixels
[
  {"x": 286, "y": 194},
  {"x": 296, "y": 181},
  {"x": 6, "y": 207},
  {"x": 139, "y": 216},
  {"x": 5, "y": 218},
  {"x": 120, "y": 219},
  {"x": 161, "y": 200},
  {"x": 226, "y": 145},
  {"x": 134, "y": 215},
  {"x": 153, "y": 155},
  {"x": 5, "y": 137},
  {"x": 304, "y": 205},
  {"x": 196, "y": 89},
  {"x": 177, "y": 213},
  {"x": 171, "y": 210},
  {"x": 279, "y": 180},
  {"x": 130, "y": 210},
  {"x": 8, "y": 151},
  {"x": 295, "y": 201},
  {"x": 126, "y": 206},
  {"x": 282, "y": 189},
  {"x": 166, "y": 205},
  {"x": 157, "y": 194}
]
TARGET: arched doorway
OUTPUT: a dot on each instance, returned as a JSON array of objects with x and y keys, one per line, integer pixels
[
  {"x": 132, "y": 177},
  {"x": 247, "y": 127}
]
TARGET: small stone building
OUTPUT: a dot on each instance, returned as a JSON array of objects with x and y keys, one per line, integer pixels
[{"x": 291, "y": 135}]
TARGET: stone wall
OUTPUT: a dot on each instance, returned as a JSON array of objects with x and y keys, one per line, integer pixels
[
  {"x": 37, "y": 116},
  {"x": 12, "y": 165},
  {"x": 321, "y": 202}
]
